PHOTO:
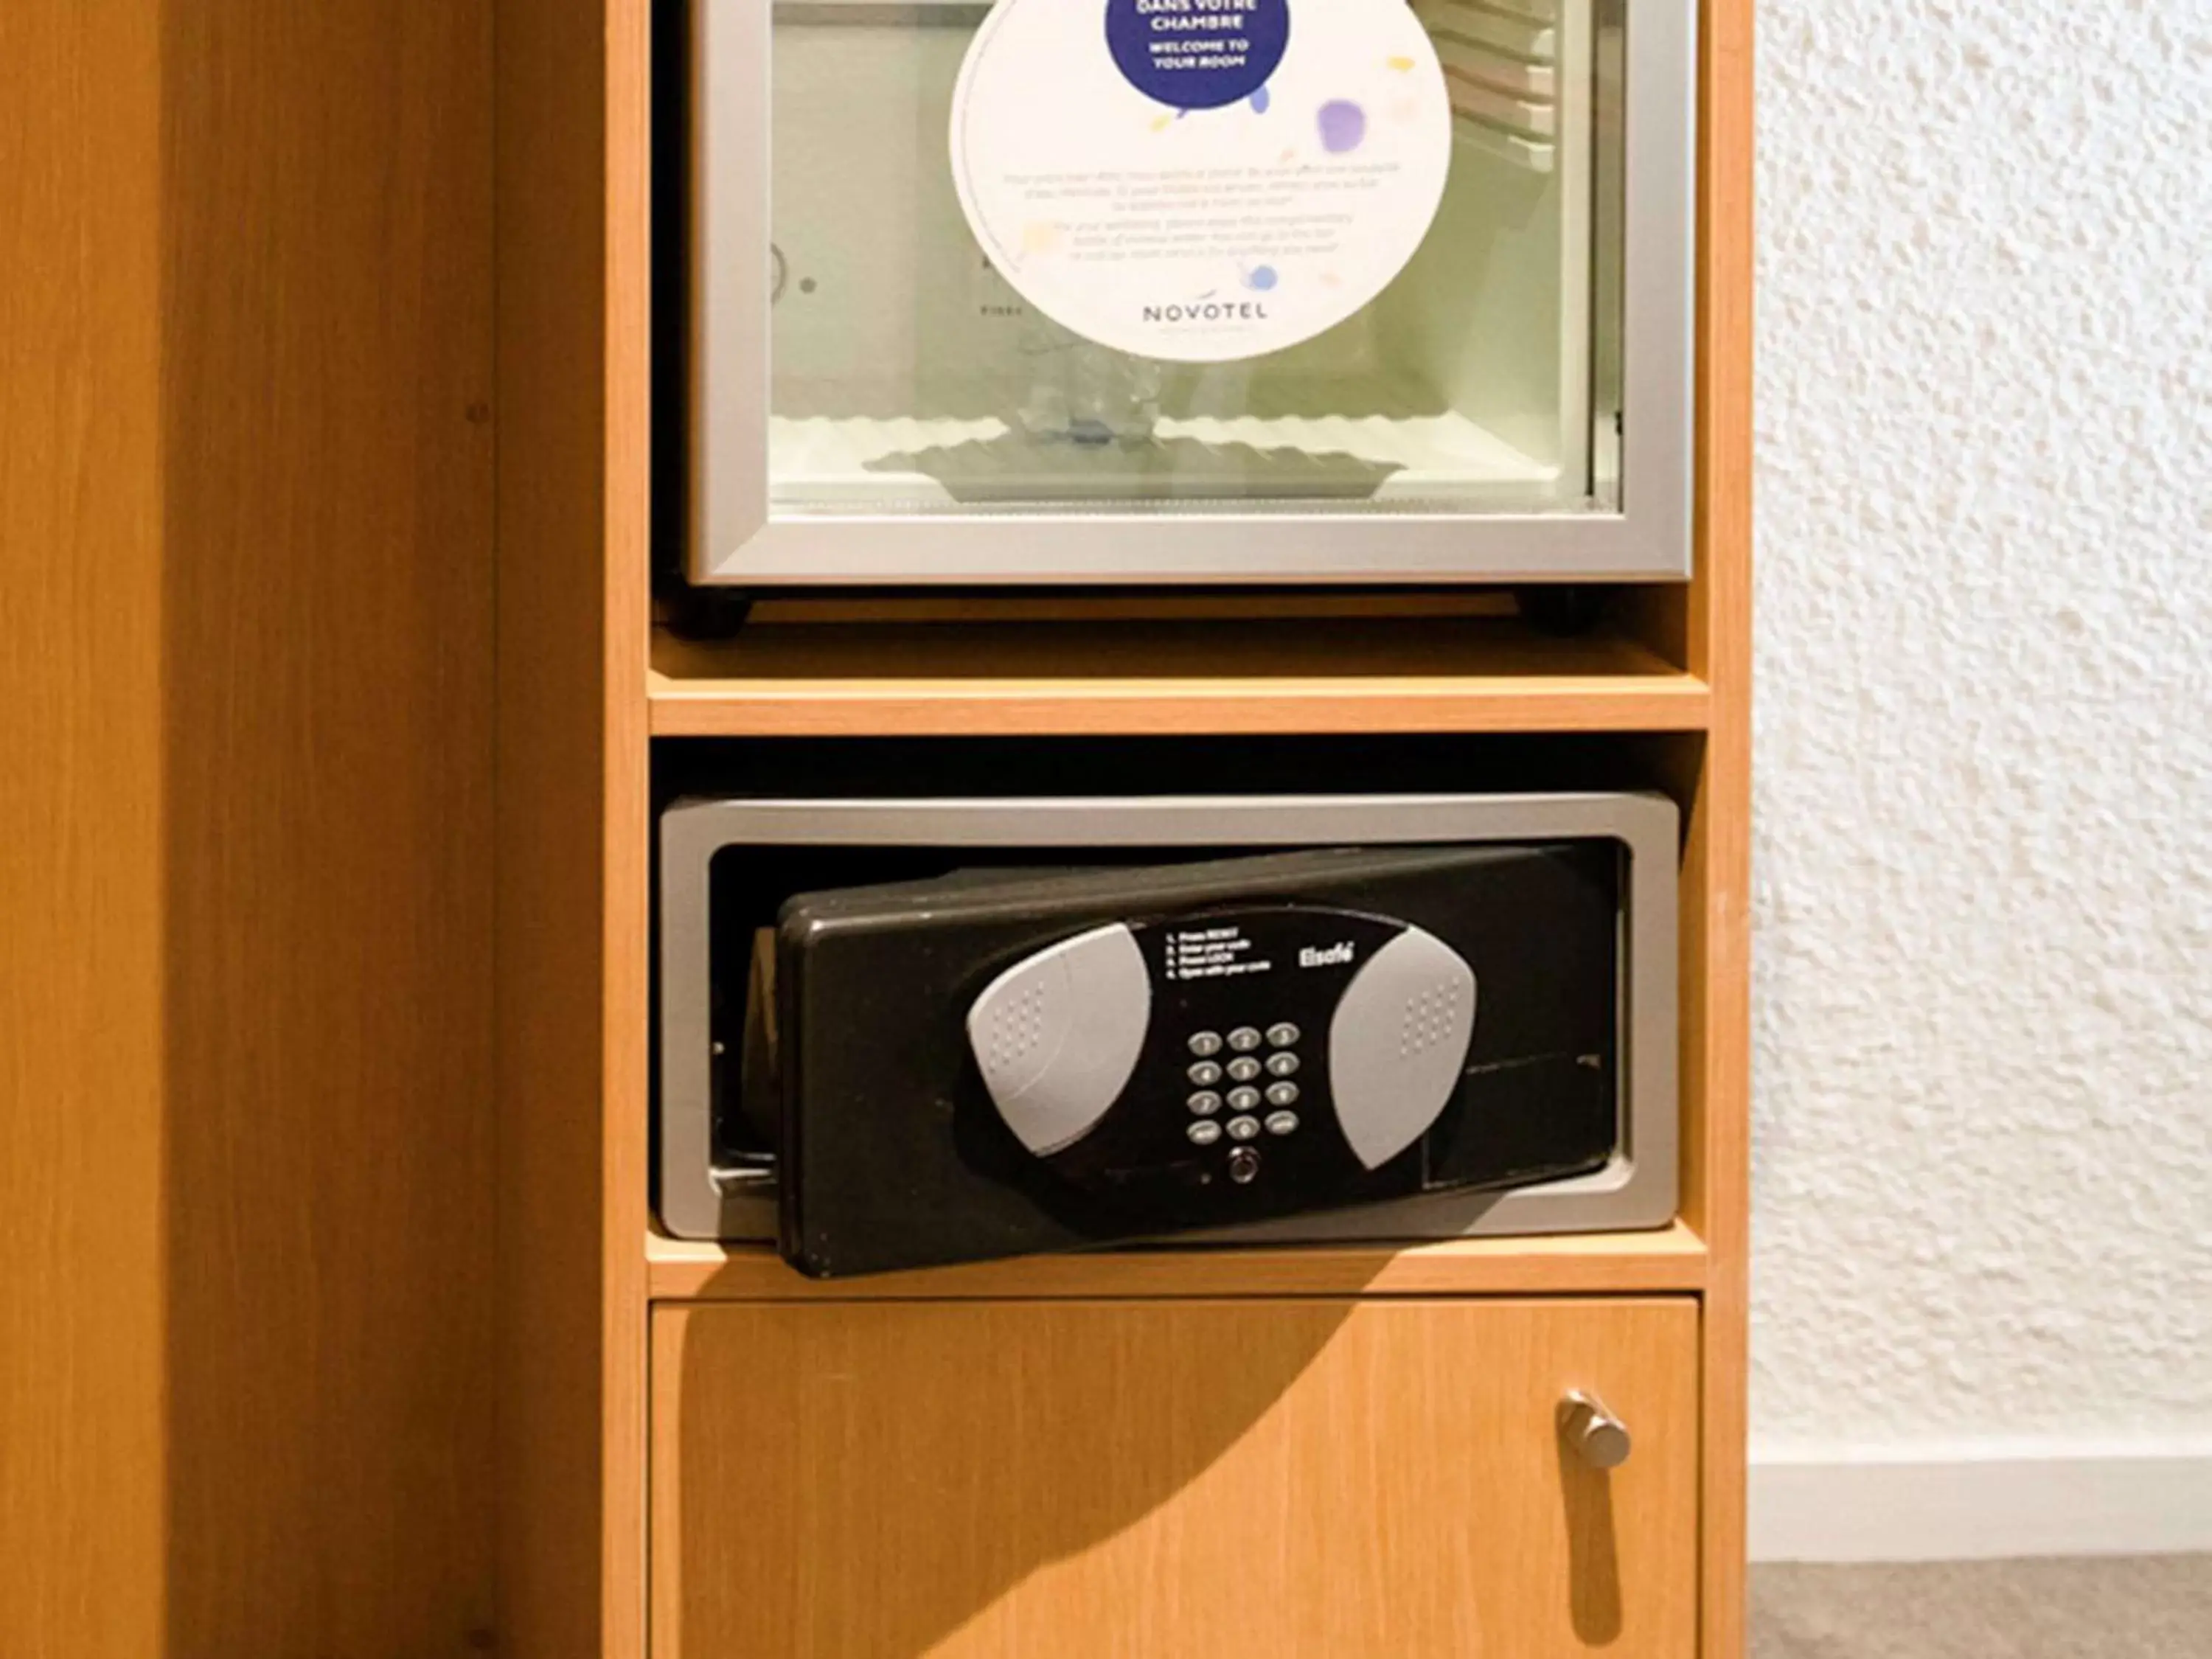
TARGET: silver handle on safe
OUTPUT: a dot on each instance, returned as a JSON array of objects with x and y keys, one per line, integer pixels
[{"x": 1593, "y": 1433}]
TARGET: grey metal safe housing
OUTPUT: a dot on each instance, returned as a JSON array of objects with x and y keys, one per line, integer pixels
[{"x": 899, "y": 1032}]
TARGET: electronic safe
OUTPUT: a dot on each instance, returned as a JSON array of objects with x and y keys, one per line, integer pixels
[{"x": 897, "y": 1033}]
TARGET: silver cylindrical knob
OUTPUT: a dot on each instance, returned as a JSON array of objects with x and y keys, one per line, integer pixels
[{"x": 1593, "y": 1433}]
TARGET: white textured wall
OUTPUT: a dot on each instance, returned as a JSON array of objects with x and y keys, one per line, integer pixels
[{"x": 1983, "y": 1167}]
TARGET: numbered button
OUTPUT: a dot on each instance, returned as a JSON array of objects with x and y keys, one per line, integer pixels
[
  {"x": 1282, "y": 1034},
  {"x": 1282, "y": 1065},
  {"x": 1205, "y": 1075},
  {"x": 1244, "y": 1069},
  {"x": 1204, "y": 1133},
  {"x": 1282, "y": 1094},
  {"x": 1205, "y": 1103},
  {"x": 1243, "y": 1100},
  {"x": 1243, "y": 1128},
  {"x": 1282, "y": 1123},
  {"x": 1245, "y": 1039},
  {"x": 1206, "y": 1044}
]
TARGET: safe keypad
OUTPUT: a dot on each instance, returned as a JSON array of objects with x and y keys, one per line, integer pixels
[{"x": 1247, "y": 1067}]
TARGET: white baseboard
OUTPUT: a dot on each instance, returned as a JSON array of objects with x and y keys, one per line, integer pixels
[{"x": 1981, "y": 1501}]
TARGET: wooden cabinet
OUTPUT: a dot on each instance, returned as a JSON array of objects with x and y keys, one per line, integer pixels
[
  {"x": 1339, "y": 1451},
  {"x": 329, "y": 444},
  {"x": 1156, "y": 1479}
]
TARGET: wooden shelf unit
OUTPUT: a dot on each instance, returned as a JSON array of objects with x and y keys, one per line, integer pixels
[
  {"x": 588, "y": 687},
  {"x": 331, "y": 895}
]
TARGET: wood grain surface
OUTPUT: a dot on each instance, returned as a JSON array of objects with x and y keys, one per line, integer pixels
[
  {"x": 627, "y": 912},
  {"x": 1717, "y": 1004},
  {"x": 1669, "y": 1259},
  {"x": 1296, "y": 674},
  {"x": 556, "y": 1535},
  {"x": 82, "y": 1440},
  {"x": 246, "y": 422},
  {"x": 1305, "y": 1480}
]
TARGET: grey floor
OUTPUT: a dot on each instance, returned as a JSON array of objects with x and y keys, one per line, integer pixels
[{"x": 2118, "y": 1608}]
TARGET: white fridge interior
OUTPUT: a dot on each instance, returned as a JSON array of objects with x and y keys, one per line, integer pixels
[{"x": 906, "y": 377}]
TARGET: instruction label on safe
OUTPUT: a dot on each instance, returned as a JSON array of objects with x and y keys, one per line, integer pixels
[
  {"x": 1200, "y": 180},
  {"x": 1213, "y": 953}
]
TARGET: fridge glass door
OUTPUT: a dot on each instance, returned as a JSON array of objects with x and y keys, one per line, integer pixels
[{"x": 1286, "y": 307}]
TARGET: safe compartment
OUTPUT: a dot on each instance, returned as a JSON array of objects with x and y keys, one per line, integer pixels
[{"x": 1039, "y": 1038}]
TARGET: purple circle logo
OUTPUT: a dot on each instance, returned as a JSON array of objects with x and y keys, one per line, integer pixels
[{"x": 1197, "y": 54}]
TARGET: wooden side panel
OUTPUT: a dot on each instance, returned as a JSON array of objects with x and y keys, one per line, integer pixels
[
  {"x": 1719, "y": 1009},
  {"x": 552, "y": 687},
  {"x": 245, "y": 466},
  {"x": 1298, "y": 1479},
  {"x": 81, "y": 1464},
  {"x": 627, "y": 916},
  {"x": 326, "y": 727},
  {"x": 573, "y": 927}
]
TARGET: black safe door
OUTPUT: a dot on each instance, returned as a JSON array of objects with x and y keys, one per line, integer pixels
[{"x": 991, "y": 1063}]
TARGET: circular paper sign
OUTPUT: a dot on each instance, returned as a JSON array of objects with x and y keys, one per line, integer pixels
[{"x": 1200, "y": 181}]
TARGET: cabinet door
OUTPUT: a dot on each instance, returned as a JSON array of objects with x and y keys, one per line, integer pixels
[{"x": 1157, "y": 1480}]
